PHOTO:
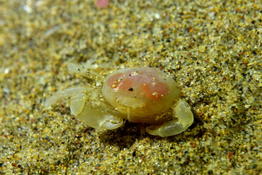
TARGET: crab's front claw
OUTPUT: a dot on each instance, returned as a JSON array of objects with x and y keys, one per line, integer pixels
[
  {"x": 184, "y": 117},
  {"x": 99, "y": 119}
]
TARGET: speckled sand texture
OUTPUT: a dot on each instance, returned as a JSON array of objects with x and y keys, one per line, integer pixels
[{"x": 211, "y": 48}]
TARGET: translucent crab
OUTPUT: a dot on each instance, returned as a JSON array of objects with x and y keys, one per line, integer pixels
[{"x": 140, "y": 95}]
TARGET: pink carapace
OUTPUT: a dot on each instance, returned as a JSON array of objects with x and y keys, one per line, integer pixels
[{"x": 141, "y": 93}]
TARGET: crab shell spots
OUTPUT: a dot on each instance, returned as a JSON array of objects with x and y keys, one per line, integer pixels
[{"x": 141, "y": 94}]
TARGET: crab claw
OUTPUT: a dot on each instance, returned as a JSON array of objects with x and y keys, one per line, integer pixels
[
  {"x": 185, "y": 118},
  {"x": 99, "y": 119}
]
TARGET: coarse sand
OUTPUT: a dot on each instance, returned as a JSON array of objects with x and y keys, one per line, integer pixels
[{"x": 211, "y": 48}]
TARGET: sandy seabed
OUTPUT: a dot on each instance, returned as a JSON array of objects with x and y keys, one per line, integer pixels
[{"x": 211, "y": 48}]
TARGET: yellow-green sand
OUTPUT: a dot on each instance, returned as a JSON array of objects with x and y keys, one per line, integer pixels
[{"x": 211, "y": 48}]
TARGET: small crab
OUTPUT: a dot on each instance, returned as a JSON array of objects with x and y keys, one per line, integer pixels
[{"x": 140, "y": 95}]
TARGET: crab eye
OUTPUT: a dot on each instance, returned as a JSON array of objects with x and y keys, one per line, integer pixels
[{"x": 130, "y": 89}]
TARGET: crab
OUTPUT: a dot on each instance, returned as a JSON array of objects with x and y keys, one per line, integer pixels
[{"x": 139, "y": 95}]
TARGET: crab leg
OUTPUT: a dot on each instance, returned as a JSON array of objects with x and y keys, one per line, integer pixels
[{"x": 71, "y": 92}]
